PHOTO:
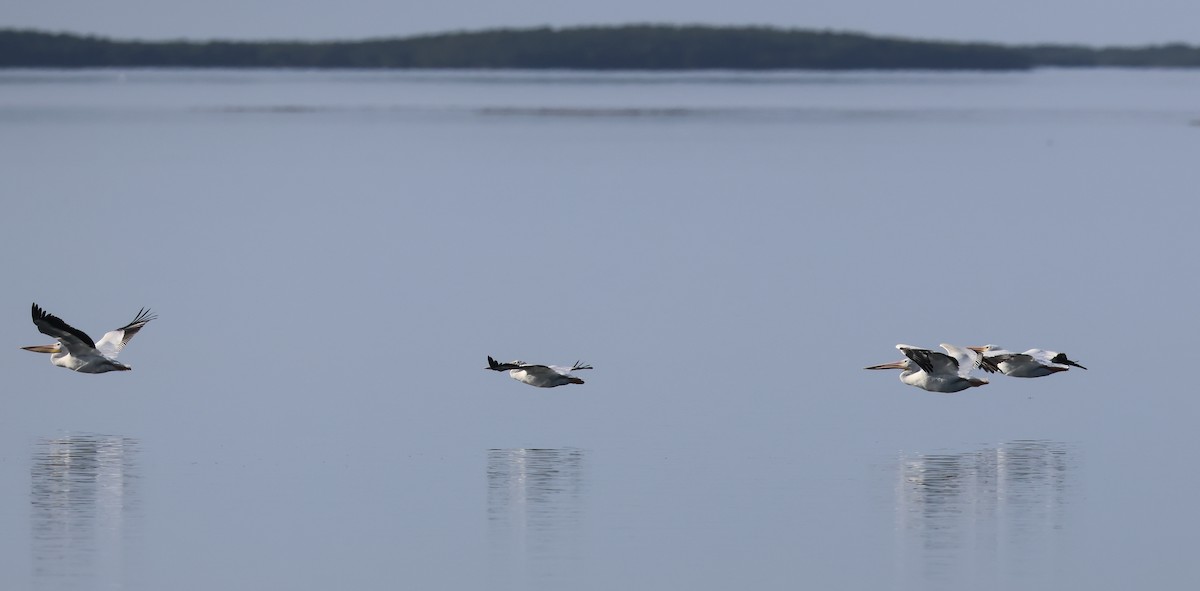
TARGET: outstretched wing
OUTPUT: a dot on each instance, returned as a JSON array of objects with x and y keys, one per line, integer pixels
[
  {"x": 115, "y": 340},
  {"x": 573, "y": 368},
  {"x": 991, "y": 358},
  {"x": 77, "y": 342},
  {"x": 1052, "y": 357},
  {"x": 992, "y": 362},
  {"x": 567, "y": 370},
  {"x": 496, "y": 365},
  {"x": 931, "y": 362},
  {"x": 966, "y": 358},
  {"x": 1061, "y": 359},
  {"x": 541, "y": 371}
]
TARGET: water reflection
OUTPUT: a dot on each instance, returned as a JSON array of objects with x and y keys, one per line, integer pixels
[
  {"x": 982, "y": 517},
  {"x": 84, "y": 501},
  {"x": 536, "y": 502}
]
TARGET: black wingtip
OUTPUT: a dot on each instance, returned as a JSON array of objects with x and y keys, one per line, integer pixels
[
  {"x": 919, "y": 357},
  {"x": 144, "y": 316},
  {"x": 1061, "y": 358},
  {"x": 986, "y": 365},
  {"x": 40, "y": 315}
]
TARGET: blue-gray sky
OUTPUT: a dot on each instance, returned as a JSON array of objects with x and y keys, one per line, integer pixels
[{"x": 1016, "y": 21}]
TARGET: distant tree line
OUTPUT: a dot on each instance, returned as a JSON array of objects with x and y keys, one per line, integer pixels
[
  {"x": 590, "y": 48},
  {"x": 639, "y": 47},
  {"x": 1174, "y": 55}
]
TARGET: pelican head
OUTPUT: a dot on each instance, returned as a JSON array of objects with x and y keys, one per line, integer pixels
[
  {"x": 985, "y": 348},
  {"x": 55, "y": 348}
]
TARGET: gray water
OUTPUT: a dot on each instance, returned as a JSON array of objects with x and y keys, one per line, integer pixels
[{"x": 334, "y": 254}]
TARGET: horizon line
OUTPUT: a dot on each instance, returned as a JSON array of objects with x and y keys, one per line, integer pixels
[{"x": 526, "y": 28}]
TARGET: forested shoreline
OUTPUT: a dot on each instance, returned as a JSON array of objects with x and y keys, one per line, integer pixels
[{"x": 634, "y": 47}]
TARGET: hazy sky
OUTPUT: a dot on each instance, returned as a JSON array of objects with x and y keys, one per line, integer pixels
[{"x": 1018, "y": 21}]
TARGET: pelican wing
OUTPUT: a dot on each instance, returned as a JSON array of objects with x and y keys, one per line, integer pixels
[
  {"x": 567, "y": 370},
  {"x": 115, "y": 340},
  {"x": 931, "y": 362},
  {"x": 1061, "y": 358},
  {"x": 1052, "y": 358},
  {"x": 496, "y": 365},
  {"x": 965, "y": 358},
  {"x": 992, "y": 363},
  {"x": 1040, "y": 355},
  {"x": 77, "y": 342},
  {"x": 543, "y": 371},
  {"x": 992, "y": 357}
]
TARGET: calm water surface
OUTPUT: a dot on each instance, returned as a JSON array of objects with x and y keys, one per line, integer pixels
[{"x": 334, "y": 254}]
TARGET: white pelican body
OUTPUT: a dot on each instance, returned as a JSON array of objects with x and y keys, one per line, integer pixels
[
  {"x": 76, "y": 351},
  {"x": 542, "y": 376},
  {"x": 934, "y": 371},
  {"x": 1034, "y": 363}
]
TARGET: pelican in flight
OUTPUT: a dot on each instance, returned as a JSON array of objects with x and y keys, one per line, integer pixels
[
  {"x": 1033, "y": 363},
  {"x": 76, "y": 351},
  {"x": 935, "y": 371},
  {"x": 542, "y": 376}
]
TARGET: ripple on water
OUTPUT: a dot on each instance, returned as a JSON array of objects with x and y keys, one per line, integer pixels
[
  {"x": 536, "y": 506},
  {"x": 83, "y": 509},
  {"x": 991, "y": 514}
]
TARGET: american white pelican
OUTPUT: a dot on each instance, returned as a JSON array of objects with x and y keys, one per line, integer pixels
[
  {"x": 935, "y": 371},
  {"x": 542, "y": 376},
  {"x": 75, "y": 350},
  {"x": 1033, "y": 363}
]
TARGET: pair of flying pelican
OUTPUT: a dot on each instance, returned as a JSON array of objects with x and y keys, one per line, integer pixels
[
  {"x": 75, "y": 350},
  {"x": 951, "y": 371}
]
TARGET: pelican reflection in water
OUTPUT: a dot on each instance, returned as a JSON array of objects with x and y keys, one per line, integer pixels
[
  {"x": 84, "y": 503},
  {"x": 995, "y": 514},
  {"x": 536, "y": 505}
]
